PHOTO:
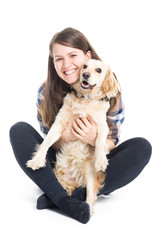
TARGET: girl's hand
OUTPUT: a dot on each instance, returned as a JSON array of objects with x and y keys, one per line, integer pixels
[
  {"x": 85, "y": 130},
  {"x": 67, "y": 134}
]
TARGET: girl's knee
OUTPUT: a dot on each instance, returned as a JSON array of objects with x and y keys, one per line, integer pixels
[
  {"x": 143, "y": 149},
  {"x": 22, "y": 130},
  {"x": 19, "y": 126}
]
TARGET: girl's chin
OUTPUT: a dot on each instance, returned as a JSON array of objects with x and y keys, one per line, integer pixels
[{"x": 71, "y": 80}]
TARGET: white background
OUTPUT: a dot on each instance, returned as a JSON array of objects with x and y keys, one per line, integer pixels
[{"x": 125, "y": 34}]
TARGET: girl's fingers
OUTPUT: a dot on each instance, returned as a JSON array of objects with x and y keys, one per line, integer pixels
[
  {"x": 76, "y": 134},
  {"x": 91, "y": 121},
  {"x": 77, "y": 128},
  {"x": 85, "y": 122}
]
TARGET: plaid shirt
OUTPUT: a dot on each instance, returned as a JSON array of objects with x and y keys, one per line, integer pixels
[{"x": 115, "y": 117}]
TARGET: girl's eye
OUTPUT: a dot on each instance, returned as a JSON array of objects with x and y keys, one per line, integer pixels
[
  {"x": 58, "y": 59},
  {"x": 73, "y": 55},
  {"x": 84, "y": 66},
  {"x": 99, "y": 70}
]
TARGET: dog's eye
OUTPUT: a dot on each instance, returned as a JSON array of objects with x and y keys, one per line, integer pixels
[
  {"x": 84, "y": 66},
  {"x": 99, "y": 70}
]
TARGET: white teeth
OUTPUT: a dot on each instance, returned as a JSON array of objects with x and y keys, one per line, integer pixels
[{"x": 70, "y": 72}]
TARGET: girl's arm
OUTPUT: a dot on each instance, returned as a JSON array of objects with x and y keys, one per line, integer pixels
[{"x": 115, "y": 118}]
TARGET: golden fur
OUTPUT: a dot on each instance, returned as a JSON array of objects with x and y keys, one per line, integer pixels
[{"x": 79, "y": 164}]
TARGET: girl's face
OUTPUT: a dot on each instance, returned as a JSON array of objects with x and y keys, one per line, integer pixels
[{"x": 68, "y": 62}]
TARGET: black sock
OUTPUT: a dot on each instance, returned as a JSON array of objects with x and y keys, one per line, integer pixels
[
  {"x": 77, "y": 209},
  {"x": 44, "y": 202}
]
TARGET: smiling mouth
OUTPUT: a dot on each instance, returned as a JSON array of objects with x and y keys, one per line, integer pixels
[
  {"x": 86, "y": 85},
  {"x": 70, "y": 72}
]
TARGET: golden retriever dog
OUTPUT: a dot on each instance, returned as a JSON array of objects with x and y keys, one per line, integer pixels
[{"x": 80, "y": 164}]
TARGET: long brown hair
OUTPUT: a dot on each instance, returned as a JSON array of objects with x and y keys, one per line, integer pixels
[{"x": 55, "y": 88}]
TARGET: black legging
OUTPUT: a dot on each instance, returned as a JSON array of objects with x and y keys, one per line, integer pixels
[{"x": 125, "y": 161}]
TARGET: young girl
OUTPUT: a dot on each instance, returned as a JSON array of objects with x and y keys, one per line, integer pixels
[{"x": 68, "y": 51}]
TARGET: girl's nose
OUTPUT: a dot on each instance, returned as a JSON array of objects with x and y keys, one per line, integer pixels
[{"x": 66, "y": 62}]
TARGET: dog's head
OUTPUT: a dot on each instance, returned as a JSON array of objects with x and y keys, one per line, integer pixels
[{"x": 97, "y": 79}]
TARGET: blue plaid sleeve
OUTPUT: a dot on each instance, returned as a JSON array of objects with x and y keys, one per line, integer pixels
[
  {"x": 115, "y": 118},
  {"x": 40, "y": 96}
]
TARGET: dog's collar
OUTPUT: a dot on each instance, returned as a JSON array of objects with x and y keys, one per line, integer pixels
[
  {"x": 82, "y": 96},
  {"x": 105, "y": 99},
  {"x": 78, "y": 95}
]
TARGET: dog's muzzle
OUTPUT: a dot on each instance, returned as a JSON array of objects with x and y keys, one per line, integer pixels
[{"x": 85, "y": 85}]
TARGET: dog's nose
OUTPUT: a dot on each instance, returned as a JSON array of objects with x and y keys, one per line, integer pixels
[{"x": 86, "y": 75}]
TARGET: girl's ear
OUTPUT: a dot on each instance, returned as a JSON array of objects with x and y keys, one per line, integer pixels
[
  {"x": 110, "y": 84},
  {"x": 89, "y": 55}
]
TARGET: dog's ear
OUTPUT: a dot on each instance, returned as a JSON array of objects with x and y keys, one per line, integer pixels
[{"x": 110, "y": 84}]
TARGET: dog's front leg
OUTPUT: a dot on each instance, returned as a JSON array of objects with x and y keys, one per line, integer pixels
[
  {"x": 55, "y": 132},
  {"x": 39, "y": 157},
  {"x": 90, "y": 186},
  {"x": 101, "y": 150}
]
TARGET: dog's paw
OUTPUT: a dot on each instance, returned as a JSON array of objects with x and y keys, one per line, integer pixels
[
  {"x": 35, "y": 164},
  {"x": 91, "y": 207},
  {"x": 91, "y": 211},
  {"x": 101, "y": 165}
]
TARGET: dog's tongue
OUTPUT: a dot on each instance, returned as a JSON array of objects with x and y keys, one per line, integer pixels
[{"x": 85, "y": 84}]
